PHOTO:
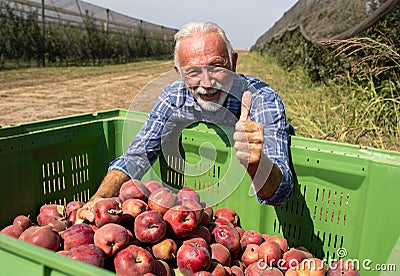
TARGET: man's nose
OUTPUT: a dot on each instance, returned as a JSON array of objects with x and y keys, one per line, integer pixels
[{"x": 206, "y": 81}]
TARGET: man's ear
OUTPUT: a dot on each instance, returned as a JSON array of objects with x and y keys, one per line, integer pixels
[
  {"x": 234, "y": 61},
  {"x": 177, "y": 70}
]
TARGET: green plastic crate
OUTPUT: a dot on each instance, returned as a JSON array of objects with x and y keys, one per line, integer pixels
[{"x": 344, "y": 199}]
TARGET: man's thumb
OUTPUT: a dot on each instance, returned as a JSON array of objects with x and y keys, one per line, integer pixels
[{"x": 246, "y": 105}]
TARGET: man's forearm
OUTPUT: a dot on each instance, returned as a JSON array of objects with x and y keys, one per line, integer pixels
[
  {"x": 266, "y": 177},
  {"x": 111, "y": 184}
]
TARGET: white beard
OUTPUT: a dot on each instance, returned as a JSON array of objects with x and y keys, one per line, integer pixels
[{"x": 209, "y": 105}]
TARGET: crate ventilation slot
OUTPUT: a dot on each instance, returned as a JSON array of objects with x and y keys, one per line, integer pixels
[
  {"x": 53, "y": 177},
  {"x": 174, "y": 174},
  {"x": 209, "y": 173},
  {"x": 333, "y": 208},
  {"x": 80, "y": 169}
]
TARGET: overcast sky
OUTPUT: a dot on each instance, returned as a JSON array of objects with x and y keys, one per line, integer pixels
[{"x": 244, "y": 21}]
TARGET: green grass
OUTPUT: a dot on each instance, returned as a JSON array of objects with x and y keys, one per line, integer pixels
[{"x": 343, "y": 113}]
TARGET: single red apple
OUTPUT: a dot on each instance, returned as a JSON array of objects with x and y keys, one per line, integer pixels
[
  {"x": 12, "y": 230},
  {"x": 54, "y": 210},
  {"x": 134, "y": 206},
  {"x": 291, "y": 258},
  {"x": 150, "y": 227},
  {"x": 281, "y": 241},
  {"x": 43, "y": 236},
  {"x": 227, "y": 236},
  {"x": 162, "y": 199},
  {"x": 133, "y": 188},
  {"x": 24, "y": 221},
  {"x": 251, "y": 237},
  {"x": 152, "y": 185},
  {"x": 76, "y": 235},
  {"x": 270, "y": 252},
  {"x": 192, "y": 257},
  {"x": 88, "y": 253},
  {"x": 229, "y": 214},
  {"x": 73, "y": 205},
  {"x": 221, "y": 254},
  {"x": 165, "y": 250},
  {"x": 250, "y": 254},
  {"x": 188, "y": 193},
  {"x": 133, "y": 260},
  {"x": 181, "y": 220},
  {"x": 197, "y": 241},
  {"x": 111, "y": 238},
  {"x": 107, "y": 210},
  {"x": 53, "y": 215}
]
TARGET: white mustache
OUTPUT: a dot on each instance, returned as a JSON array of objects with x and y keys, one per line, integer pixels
[{"x": 210, "y": 91}]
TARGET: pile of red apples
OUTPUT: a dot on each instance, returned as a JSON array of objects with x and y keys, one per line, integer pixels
[{"x": 151, "y": 230}]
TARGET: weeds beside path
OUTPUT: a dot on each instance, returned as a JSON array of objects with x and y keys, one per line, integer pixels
[{"x": 347, "y": 113}]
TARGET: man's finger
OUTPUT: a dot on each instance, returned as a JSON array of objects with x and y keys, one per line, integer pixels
[
  {"x": 84, "y": 215},
  {"x": 246, "y": 105}
]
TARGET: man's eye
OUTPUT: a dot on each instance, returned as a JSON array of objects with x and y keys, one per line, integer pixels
[
  {"x": 193, "y": 72},
  {"x": 218, "y": 69}
]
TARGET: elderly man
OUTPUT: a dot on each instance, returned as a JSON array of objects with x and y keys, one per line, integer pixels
[{"x": 209, "y": 90}]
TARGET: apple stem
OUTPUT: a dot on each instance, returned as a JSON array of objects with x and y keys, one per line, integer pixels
[{"x": 114, "y": 212}]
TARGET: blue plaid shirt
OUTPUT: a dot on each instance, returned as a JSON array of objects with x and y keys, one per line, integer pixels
[{"x": 177, "y": 107}]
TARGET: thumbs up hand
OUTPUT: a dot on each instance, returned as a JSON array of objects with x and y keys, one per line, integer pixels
[{"x": 249, "y": 136}]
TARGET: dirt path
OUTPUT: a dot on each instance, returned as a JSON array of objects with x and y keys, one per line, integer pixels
[{"x": 57, "y": 94}]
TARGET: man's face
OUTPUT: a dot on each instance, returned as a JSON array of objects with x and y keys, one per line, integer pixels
[{"x": 205, "y": 67}]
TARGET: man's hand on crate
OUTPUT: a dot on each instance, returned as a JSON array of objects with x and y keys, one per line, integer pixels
[
  {"x": 86, "y": 212},
  {"x": 249, "y": 140},
  {"x": 109, "y": 187}
]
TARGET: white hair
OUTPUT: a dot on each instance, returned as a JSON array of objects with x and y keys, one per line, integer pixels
[{"x": 201, "y": 28}]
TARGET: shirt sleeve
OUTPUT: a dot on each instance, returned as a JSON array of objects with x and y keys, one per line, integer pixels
[{"x": 268, "y": 109}]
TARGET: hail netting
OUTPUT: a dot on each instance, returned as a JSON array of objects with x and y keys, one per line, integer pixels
[
  {"x": 320, "y": 20},
  {"x": 74, "y": 12},
  {"x": 73, "y": 32}
]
